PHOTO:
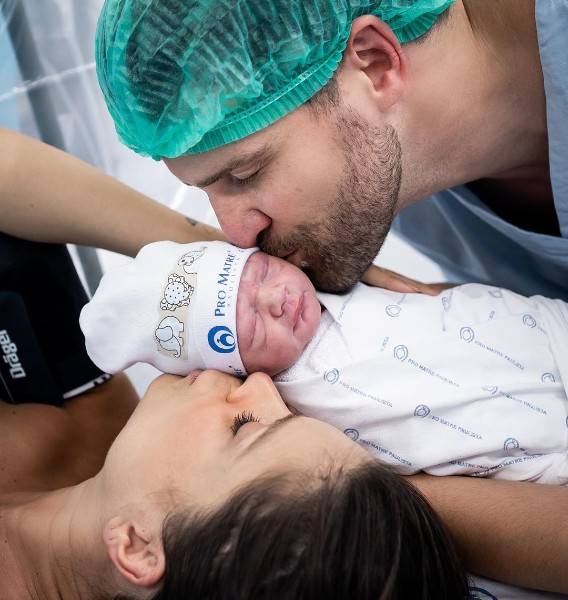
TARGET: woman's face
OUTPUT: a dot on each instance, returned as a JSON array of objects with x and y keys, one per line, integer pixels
[{"x": 204, "y": 435}]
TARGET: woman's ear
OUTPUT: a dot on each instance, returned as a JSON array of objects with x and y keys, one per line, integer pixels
[
  {"x": 136, "y": 552},
  {"x": 374, "y": 51}
]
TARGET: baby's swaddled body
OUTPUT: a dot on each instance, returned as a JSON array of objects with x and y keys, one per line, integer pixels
[{"x": 468, "y": 382}]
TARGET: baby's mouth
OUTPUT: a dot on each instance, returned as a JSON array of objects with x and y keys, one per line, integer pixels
[{"x": 298, "y": 311}]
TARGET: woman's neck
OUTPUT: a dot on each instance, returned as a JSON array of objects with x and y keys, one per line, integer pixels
[{"x": 46, "y": 538}]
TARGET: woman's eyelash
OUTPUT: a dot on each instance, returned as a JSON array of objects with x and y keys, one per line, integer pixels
[{"x": 242, "y": 419}]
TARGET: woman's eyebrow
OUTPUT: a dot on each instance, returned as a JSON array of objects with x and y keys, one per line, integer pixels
[
  {"x": 257, "y": 156},
  {"x": 271, "y": 430}
]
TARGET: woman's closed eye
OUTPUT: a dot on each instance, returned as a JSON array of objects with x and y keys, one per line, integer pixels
[{"x": 242, "y": 419}]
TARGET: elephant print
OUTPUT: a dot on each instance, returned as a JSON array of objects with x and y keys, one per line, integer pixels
[{"x": 168, "y": 334}]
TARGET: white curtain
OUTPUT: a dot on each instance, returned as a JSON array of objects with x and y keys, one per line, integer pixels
[{"x": 49, "y": 89}]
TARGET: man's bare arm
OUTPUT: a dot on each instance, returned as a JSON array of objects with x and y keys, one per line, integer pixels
[
  {"x": 515, "y": 532},
  {"x": 47, "y": 195}
]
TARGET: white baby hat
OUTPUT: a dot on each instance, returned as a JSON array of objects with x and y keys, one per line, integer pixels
[{"x": 174, "y": 307}]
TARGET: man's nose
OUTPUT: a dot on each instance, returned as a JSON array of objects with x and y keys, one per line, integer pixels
[{"x": 240, "y": 225}]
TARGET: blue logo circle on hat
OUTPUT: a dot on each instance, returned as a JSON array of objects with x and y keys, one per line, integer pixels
[{"x": 221, "y": 339}]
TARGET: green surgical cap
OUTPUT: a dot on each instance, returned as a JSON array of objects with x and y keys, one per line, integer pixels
[{"x": 187, "y": 76}]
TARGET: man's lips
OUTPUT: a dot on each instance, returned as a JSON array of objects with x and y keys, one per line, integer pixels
[
  {"x": 296, "y": 259},
  {"x": 284, "y": 254},
  {"x": 293, "y": 257}
]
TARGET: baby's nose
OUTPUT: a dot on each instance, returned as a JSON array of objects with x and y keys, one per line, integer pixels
[{"x": 273, "y": 299}]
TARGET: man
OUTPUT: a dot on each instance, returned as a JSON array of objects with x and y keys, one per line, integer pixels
[
  {"x": 311, "y": 125},
  {"x": 459, "y": 112}
]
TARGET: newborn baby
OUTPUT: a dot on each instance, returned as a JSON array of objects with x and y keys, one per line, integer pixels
[
  {"x": 469, "y": 382},
  {"x": 176, "y": 307}
]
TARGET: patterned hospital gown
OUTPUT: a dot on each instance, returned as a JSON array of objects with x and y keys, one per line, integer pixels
[{"x": 470, "y": 382}]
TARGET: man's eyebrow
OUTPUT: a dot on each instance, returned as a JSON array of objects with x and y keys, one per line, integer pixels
[
  {"x": 258, "y": 156},
  {"x": 271, "y": 430}
]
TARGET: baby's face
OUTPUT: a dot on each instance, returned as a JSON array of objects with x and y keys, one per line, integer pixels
[{"x": 278, "y": 313}]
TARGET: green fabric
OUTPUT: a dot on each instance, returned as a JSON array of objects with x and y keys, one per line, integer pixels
[{"x": 188, "y": 76}]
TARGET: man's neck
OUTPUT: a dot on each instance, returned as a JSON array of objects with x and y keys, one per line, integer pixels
[
  {"x": 480, "y": 110},
  {"x": 46, "y": 537}
]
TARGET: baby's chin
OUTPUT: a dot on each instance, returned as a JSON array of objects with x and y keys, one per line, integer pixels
[
  {"x": 254, "y": 362},
  {"x": 272, "y": 360}
]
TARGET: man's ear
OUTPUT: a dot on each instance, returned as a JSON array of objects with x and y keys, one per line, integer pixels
[
  {"x": 374, "y": 50},
  {"x": 136, "y": 552}
]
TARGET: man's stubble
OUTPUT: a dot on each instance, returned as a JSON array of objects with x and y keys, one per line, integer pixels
[{"x": 337, "y": 249}]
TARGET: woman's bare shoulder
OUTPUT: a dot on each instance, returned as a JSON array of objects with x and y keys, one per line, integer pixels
[{"x": 47, "y": 447}]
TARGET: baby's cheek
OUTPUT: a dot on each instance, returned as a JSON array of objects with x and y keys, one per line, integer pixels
[
  {"x": 281, "y": 352},
  {"x": 245, "y": 325}
]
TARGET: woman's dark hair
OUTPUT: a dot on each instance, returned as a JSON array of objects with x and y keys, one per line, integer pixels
[{"x": 361, "y": 533}]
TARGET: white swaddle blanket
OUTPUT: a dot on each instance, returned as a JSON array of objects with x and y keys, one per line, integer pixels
[{"x": 470, "y": 382}]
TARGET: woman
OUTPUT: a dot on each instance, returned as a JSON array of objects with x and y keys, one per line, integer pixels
[
  {"x": 193, "y": 500},
  {"x": 72, "y": 530}
]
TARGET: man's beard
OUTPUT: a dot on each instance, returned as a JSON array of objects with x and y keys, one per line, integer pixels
[{"x": 337, "y": 249}]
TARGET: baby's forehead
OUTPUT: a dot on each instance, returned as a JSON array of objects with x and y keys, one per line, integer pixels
[{"x": 291, "y": 269}]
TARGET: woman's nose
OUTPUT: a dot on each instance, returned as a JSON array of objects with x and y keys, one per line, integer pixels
[{"x": 258, "y": 390}]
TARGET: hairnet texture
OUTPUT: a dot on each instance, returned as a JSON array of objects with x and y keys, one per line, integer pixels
[{"x": 189, "y": 76}]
